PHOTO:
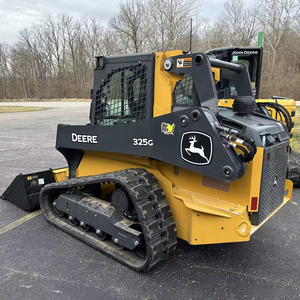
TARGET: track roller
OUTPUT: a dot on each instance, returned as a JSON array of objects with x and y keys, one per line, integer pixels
[
  {"x": 101, "y": 234},
  {"x": 116, "y": 244},
  {"x": 57, "y": 210},
  {"x": 73, "y": 221},
  {"x": 84, "y": 227}
]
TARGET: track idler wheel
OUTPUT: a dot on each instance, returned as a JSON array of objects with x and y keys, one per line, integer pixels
[{"x": 120, "y": 201}]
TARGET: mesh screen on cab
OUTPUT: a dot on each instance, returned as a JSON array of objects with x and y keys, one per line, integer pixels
[{"x": 121, "y": 98}]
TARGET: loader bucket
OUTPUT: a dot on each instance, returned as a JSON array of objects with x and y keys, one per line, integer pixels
[{"x": 25, "y": 189}]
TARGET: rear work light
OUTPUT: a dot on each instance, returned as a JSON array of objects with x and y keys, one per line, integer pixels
[
  {"x": 267, "y": 157},
  {"x": 286, "y": 149},
  {"x": 254, "y": 203}
]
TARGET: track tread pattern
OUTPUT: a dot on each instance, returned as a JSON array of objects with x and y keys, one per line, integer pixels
[
  {"x": 294, "y": 167},
  {"x": 150, "y": 203}
]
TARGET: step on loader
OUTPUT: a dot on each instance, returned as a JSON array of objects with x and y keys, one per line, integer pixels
[{"x": 160, "y": 160}]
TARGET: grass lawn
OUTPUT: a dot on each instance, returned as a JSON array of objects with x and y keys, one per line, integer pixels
[
  {"x": 14, "y": 109},
  {"x": 296, "y": 135},
  {"x": 47, "y": 100}
]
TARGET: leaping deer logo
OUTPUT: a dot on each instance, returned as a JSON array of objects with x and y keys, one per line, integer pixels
[{"x": 193, "y": 149}]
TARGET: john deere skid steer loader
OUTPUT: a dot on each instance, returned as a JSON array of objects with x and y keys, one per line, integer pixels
[{"x": 160, "y": 160}]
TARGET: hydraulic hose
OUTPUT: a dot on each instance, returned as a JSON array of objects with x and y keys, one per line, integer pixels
[
  {"x": 282, "y": 112},
  {"x": 244, "y": 140},
  {"x": 247, "y": 157},
  {"x": 241, "y": 142}
]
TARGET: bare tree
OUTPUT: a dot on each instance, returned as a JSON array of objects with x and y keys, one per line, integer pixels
[
  {"x": 54, "y": 58},
  {"x": 276, "y": 18},
  {"x": 169, "y": 23},
  {"x": 128, "y": 25},
  {"x": 6, "y": 77},
  {"x": 235, "y": 25}
]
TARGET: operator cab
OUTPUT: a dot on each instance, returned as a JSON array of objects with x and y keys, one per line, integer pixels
[{"x": 250, "y": 56}]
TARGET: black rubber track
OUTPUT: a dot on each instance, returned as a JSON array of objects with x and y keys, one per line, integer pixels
[
  {"x": 294, "y": 167},
  {"x": 152, "y": 209}
]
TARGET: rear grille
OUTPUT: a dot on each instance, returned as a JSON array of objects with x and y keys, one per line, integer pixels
[{"x": 272, "y": 183}]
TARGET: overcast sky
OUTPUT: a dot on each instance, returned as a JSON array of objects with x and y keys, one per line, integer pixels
[{"x": 17, "y": 14}]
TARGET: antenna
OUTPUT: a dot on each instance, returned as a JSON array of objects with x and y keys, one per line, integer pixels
[{"x": 191, "y": 34}]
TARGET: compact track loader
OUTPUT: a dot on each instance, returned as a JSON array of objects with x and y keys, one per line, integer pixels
[{"x": 160, "y": 160}]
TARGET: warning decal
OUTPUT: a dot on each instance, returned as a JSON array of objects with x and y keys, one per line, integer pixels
[{"x": 184, "y": 62}]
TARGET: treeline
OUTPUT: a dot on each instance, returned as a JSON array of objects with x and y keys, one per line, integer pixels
[{"x": 54, "y": 58}]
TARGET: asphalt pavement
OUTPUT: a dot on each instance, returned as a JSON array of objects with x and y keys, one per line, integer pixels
[{"x": 38, "y": 261}]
